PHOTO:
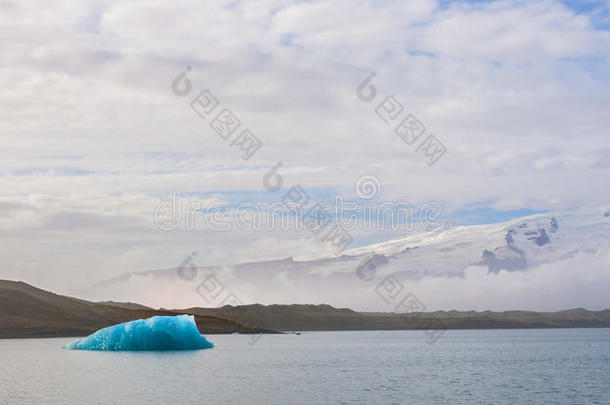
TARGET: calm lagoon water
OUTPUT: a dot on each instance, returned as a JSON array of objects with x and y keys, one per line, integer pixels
[{"x": 561, "y": 366}]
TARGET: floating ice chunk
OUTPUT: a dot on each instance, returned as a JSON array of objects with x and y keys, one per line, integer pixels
[{"x": 156, "y": 333}]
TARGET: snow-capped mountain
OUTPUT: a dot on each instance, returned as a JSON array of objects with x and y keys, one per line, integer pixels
[
  {"x": 517, "y": 245},
  {"x": 513, "y": 245}
]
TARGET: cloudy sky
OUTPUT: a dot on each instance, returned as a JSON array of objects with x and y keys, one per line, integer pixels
[{"x": 94, "y": 138}]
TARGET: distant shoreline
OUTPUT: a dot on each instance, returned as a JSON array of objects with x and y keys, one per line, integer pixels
[
  {"x": 322, "y": 331},
  {"x": 29, "y": 312}
]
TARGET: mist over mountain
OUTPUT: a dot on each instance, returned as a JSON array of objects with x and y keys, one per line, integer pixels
[{"x": 539, "y": 262}]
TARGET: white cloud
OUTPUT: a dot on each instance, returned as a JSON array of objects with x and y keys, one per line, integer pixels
[
  {"x": 579, "y": 281},
  {"x": 93, "y": 139}
]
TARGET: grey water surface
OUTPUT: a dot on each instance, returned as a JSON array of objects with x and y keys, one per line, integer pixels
[{"x": 552, "y": 366}]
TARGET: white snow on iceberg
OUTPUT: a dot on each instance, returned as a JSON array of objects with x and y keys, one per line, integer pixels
[{"x": 156, "y": 333}]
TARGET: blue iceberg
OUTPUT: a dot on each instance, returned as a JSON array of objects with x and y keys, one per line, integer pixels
[{"x": 156, "y": 333}]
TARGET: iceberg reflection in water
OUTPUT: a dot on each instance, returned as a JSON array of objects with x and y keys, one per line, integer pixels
[{"x": 156, "y": 333}]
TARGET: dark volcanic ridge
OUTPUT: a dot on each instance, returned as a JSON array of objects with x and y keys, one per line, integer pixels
[{"x": 27, "y": 311}]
